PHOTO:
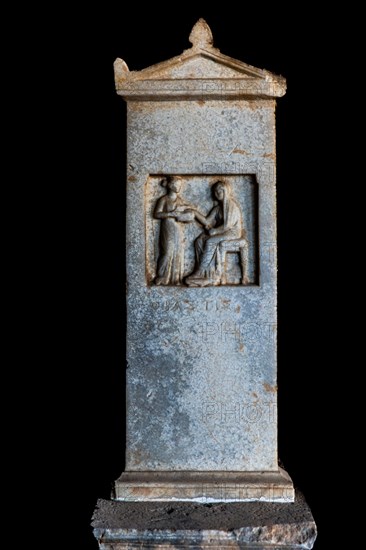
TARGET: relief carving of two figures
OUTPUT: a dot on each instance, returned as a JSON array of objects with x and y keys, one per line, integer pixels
[{"x": 223, "y": 232}]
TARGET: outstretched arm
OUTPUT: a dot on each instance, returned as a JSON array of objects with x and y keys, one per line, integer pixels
[
  {"x": 211, "y": 219},
  {"x": 189, "y": 212},
  {"x": 207, "y": 221},
  {"x": 159, "y": 211},
  {"x": 221, "y": 230},
  {"x": 200, "y": 218}
]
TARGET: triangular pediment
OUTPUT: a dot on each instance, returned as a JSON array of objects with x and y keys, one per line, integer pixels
[
  {"x": 200, "y": 63},
  {"x": 202, "y": 66}
]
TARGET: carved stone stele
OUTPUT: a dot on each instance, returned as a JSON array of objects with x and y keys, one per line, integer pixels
[
  {"x": 201, "y": 278},
  {"x": 202, "y": 312}
]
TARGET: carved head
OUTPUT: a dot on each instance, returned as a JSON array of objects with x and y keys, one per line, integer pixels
[
  {"x": 221, "y": 189},
  {"x": 173, "y": 183}
]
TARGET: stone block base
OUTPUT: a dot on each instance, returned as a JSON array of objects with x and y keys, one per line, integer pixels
[{"x": 167, "y": 525}]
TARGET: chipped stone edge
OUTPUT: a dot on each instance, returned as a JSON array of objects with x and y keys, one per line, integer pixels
[{"x": 298, "y": 535}]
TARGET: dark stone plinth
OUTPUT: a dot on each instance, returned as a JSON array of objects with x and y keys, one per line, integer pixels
[{"x": 166, "y": 525}]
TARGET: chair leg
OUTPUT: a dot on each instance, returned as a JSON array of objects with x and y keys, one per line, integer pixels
[
  {"x": 223, "y": 267},
  {"x": 244, "y": 265}
]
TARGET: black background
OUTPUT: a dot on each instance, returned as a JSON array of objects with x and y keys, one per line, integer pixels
[{"x": 88, "y": 203}]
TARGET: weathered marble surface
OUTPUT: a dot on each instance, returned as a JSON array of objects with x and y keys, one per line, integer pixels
[
  {"x": 255, "y": 525},
  {"x": 202, "y": 361},
  {"x": 201, "y": 379}
]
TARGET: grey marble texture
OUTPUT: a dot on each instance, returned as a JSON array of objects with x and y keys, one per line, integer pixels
[
  {"x": 201, "y": 452},
  {"x": 202, "y": 363}
]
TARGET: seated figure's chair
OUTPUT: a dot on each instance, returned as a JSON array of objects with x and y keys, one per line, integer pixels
[{"x": 235, "y": 245}]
